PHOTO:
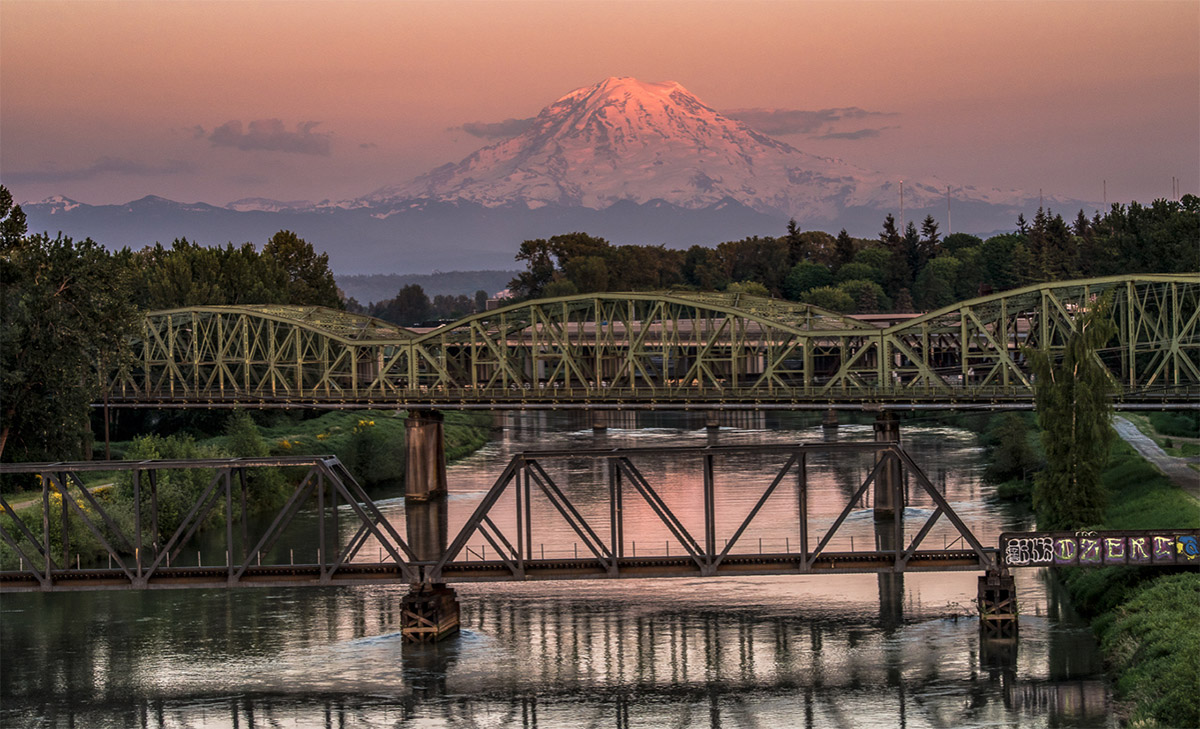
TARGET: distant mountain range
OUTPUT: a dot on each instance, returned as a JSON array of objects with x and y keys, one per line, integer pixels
[{"x": 630, "y": 161}]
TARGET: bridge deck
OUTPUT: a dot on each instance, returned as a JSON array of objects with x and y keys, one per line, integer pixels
[{"x": 385, "y": 573}]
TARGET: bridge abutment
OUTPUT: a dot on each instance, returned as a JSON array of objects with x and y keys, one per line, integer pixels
[
  {"x": 888, "y": 495},
  {"x": 429, "y": 611}
]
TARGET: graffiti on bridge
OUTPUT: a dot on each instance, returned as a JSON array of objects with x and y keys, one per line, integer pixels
[{"x": 1102, "y": 548}]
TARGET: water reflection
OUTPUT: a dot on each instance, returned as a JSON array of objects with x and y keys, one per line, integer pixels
[{"x": 814, "y": 651}]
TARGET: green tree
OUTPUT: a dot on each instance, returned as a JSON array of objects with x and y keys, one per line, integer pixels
[
  {"x": 750, "y": 288},
  {"x": 805, "y": 275},
  {"x": 1072, "y": 399},
  {"x": 539, "y": 268},
  {"x": 855, "y": 270},
  {"x": 827, "y": 297},
  {"x": 12, "y": 221},
  {"x": 702, "y": 269},
  {"x": 868, "y": 296},
  {"x": 309, "y": 280},
  {"x": 937, "y": 284},
  {"x": 843, "y": 249},
  {"x": 64, "y": 311}
]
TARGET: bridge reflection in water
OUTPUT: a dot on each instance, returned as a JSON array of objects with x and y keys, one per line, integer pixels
[{"x": 570, "y": 660}]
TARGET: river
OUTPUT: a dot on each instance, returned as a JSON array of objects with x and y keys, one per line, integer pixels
[{"x": 802, "y": 651}]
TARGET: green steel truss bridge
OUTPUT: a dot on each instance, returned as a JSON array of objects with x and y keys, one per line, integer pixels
[{"x": 667, "y": 350}]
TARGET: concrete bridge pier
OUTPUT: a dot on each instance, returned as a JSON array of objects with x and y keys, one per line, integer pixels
[
  {"x": 599, "y": 421},
  {"x": 888, "y": 484},
  {"x": 830, "y": 421},
  {"x": 429, "y": 612}
]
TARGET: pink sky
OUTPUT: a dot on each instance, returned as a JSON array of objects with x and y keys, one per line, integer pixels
[{"x": 215, "y": 101}]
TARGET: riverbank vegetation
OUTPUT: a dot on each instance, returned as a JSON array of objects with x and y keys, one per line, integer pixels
[
  {"x": 1147, "y": 619},
  {"x": 370, "y": 443}
]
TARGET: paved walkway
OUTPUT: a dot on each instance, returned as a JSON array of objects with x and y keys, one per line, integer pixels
[{"x": 1175, "y": 469}]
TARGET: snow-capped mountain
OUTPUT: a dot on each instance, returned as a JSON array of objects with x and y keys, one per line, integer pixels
[
  {"x": 626, "y": 140},
  {"x": 632, "y": 162}
]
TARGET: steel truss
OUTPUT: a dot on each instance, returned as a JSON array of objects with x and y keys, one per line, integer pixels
[
  {"x": 138, "y": 561},
  {"x": 664, "y": 351},
  {"x": 698, "y": 555}
]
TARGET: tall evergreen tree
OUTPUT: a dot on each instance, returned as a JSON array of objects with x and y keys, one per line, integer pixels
[{"x": 1072, "y": 395}]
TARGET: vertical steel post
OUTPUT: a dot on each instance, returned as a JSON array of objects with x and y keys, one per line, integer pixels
[
  {"x": 46, "y": 525},
  {"x": 710, "y": 506},
  {"x": 520, "y": 501},
  {"x": 245, "y": 521},
  {"x": 229, "y": 522},
  {"x": 802, "y": 505},
  {"x": 137, "y": 520},
  {"x": 154, "y": 508},
  {"x": 66, "y": 532},
  {"x": 321, "y": 524},
  {"x": 527, "y": 484}
]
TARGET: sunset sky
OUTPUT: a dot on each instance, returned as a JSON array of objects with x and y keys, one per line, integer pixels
[{"x": 105, "y": 102}]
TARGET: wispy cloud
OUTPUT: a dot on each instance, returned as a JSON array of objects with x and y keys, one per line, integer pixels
[
  {"x": 798, "y": 121},
  {"x": 102, "y": 166},
  {"x": 270, "y": 135},
  {"x": 495, "y": 130},
  {"x": 856, "y": 134}
]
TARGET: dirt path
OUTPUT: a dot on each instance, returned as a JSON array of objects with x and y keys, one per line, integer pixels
[{"x": 1175, "y": 469}]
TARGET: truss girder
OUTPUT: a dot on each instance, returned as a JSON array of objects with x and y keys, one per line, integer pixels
[{"x": 650, "y": 348}]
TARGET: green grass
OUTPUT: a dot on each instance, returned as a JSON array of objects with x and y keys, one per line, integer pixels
[{"x": 1147, "y": 618}]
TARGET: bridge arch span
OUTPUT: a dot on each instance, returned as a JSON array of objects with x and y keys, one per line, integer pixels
[{"x": 664, "y": 350}]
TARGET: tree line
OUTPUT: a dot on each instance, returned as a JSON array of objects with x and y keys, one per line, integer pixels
[
  {"x": 902, "y": 270},
  {"x": 68, "y": 305}
]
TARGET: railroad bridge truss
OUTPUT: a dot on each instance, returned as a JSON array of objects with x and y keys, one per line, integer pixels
[
  {"x": 665, "y": 350},
  {"x": 349, "y": 540}
]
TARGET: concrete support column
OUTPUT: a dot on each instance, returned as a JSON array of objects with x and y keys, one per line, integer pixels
[
  {"x": 429, "y": 612},
  {"x": 425, "y": 484},
  {"x": 887, "y": 484},
  {"x": 830, "y": 421},
  {"x": 712, "y": 419},
  {"x": 599, "y": 421}
]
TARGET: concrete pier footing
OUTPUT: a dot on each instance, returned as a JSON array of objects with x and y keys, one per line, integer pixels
[
  {"x": 830, "y": 421},
  {"x": 429, "y": 612}
]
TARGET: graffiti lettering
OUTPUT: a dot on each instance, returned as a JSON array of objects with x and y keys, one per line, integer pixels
[
  {"x": 1139, "y": 550},
  {"x": 1065, "y": 550},
  {"x": 1164, "y": 549},
  {"x": 1114, "y": 550},
  {"x": 1188, "y": 548},
  {"x": 1089, "y": 548}
]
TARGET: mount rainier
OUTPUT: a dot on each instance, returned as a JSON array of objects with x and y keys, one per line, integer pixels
[{"x": 633, "y": 162}]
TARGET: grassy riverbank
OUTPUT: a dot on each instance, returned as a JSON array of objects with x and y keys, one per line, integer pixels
[
  {"x": 370, "y": 443},
  {"x": 1146, "y": 619}
]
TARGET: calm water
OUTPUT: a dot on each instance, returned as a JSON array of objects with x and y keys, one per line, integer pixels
[{"x": 755, "y": 652}]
